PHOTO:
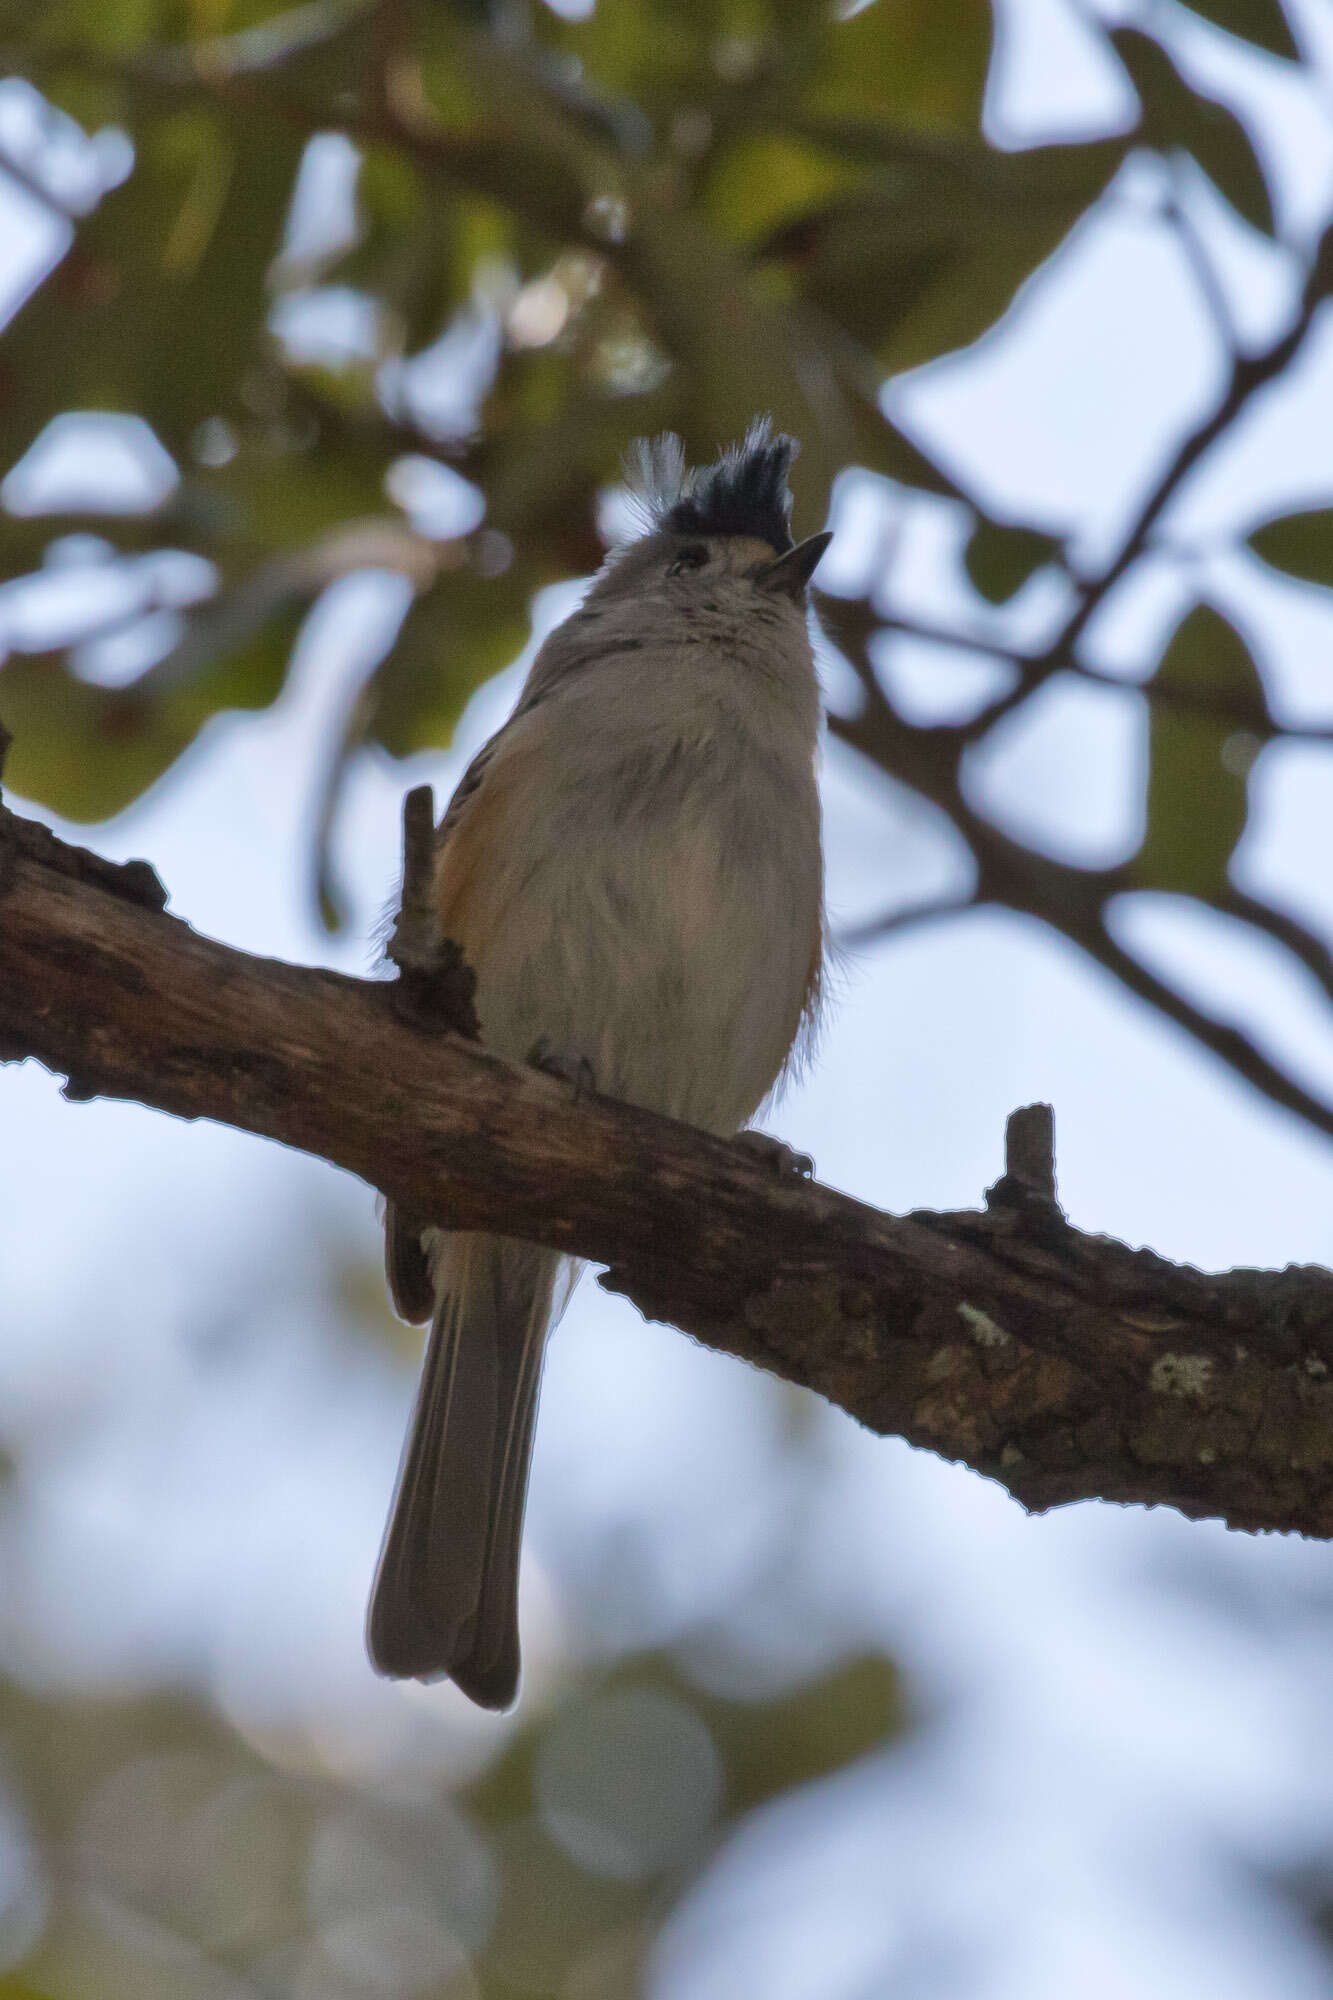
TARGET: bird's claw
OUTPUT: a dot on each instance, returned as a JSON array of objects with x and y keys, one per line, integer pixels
[
  {"x": 575, "y": 1070},
  {"x": 777, "y": 1157}
]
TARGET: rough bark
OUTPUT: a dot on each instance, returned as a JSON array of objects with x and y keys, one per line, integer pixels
[{"x": 1063, "y": 1365}]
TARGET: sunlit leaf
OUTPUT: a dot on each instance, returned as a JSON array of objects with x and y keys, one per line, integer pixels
[
  {"x": 159, "y": 308},
  {"x": 455, "y": 636},
  {"x": 768, "y": 179},
  {"x": 1210, "y": 707},
  {"x": 911, "y": 62},
  {"x": 643, "y": 49},
  {"x": 312, "y": 475},
  {"x": 1175, "y": 115},
  {"x": 116, "y": 28},
  {"x": 1299, "y": 544}
]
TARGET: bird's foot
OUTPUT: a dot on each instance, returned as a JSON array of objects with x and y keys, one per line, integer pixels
[
  {"x": 570, "y": 1066},
  {"x": 779, "y": 1159}
]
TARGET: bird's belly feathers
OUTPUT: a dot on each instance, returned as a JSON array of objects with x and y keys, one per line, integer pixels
[{"x": 664, "y": 922}]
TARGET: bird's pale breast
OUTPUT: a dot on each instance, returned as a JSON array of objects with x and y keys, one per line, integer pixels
[{"x": 657, "y": 915}]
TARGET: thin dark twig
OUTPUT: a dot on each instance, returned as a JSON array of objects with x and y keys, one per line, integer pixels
[
  {"x": 900, "y": 627},
  {"x": 1202, "y": 269},
  {"x": 1071, "y": 901},
  {"x": 875, "y": 929},
  {"x": 1249, "y": 374},
  {"x": 863, "y": 668},
  {"x": 1313, "y": 953},
  {"x": 1235, "y": 1048},
  {"x": 1214, "y": 704},
  {"x": 1209, "y": 702}
]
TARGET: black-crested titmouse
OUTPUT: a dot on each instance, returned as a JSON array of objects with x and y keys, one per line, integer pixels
[{"x": 632, "y": 866}]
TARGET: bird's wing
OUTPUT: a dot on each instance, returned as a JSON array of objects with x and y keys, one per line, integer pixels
[
  {"x": 405, "y": 1263},
  {"x": 405, "y": 1260}
]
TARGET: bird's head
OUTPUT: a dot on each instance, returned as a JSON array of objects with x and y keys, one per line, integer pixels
[{"x": 728, "y": 523}]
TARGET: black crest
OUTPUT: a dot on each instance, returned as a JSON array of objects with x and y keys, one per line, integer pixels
[{"x": 743, "y": 493}]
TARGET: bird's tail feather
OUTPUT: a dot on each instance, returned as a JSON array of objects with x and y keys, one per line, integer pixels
[{"x": 445, "y": 1599}]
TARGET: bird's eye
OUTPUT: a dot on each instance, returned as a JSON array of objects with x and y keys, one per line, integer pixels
[{"x": 693, "y": 557}]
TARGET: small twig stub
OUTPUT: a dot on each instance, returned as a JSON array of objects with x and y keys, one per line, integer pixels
[
  {"x": 1028, "y": 1180},
  {"x": 436, "y": 987}
]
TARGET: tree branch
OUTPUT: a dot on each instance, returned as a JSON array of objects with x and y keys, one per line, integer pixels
[
  {"x": 1214, "y": 703},
  {"x": 1070, "y": 899},
  {"x": 1194, "y": 251},
  {"x": 1235, "y": 1048},
  {"x": 1065, "y": 1366},
  {"x": 1248, "y": 375}
]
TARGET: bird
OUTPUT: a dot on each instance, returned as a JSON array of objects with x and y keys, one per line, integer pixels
[{"x": 632, "y": 866}]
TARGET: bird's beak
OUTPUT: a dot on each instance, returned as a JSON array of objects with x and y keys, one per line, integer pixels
[{"x": 791, "y": 572}]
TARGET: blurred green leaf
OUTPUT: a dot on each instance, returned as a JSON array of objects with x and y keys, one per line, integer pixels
[
  {"x": 739, "y": 348},
  {"x": 1000, "y": 558},
  {"x": 117, "y": 28},
  {"x": 230, "y": 35},
  {"x": 87, "y": 752},
  {"x": 768, "y": 179},
  {"x": 910, "y": 62},
  {"x": 552, "y": 1914},
  {"x": 83, "y": 751},
  {"x": 1298, "y": 544},
  {"x": 755, "y": 206},
  {"x": 1263, "y": 22},
  {"x": 514, "y": 129},
  {"x": 541, "y": 471},
  {"x": 235, "y": 650},
  {"x": 647, "y": 50},
  {"x": 1176, "y": 115},
  {"x": 120, "y": 26},
  {"x": 160, "y": 306},
  {"x": 772, "y": 1746},
  {"x": 555, "y": 1912},
  {"x": 313, "y": 474},
  {"x": 455, "y": 635},
  {"x": 417, "y": 253},
  {"x": 1198, "y": 794},
  {"x": 923, "y": 257}
]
